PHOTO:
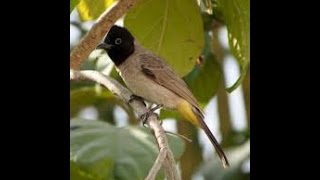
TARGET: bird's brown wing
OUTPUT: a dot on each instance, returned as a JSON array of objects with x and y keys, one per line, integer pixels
[{"x": 160, "y": 72}]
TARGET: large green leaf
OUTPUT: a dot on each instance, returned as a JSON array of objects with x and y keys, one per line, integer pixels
[
  {"x": 171, "y": 28},
  {"x": 237, "y": 18},
  {"x": 92, "y": 9},
  {"x": 101, "y": 151},
  {"x": 73, "y": 4}
]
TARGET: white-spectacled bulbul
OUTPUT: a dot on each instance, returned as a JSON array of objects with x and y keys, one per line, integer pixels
[{"x": 151, "y": 78}]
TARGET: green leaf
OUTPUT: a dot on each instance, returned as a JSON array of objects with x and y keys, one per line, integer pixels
[
  {"x": 101, "y": 151},
  {"x": 164, "y": 113},
  {"x": 76, "y": 173},
  {"x": 92, "y": 9},
  {"x": 80, "y": 84},
  {"x": 244, "y": 70},
  {"x": 98, "y": 97},
  {"x": 205, "y": 77},
  {"x": 237, "y": 18},
  {"x": 73, "y": 4},
  {"x": 172, "y": 29}
]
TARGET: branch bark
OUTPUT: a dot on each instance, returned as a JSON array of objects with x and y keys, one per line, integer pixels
[
  {"x": 97, "y": 32},
  {"x": 123, "y": 93}
]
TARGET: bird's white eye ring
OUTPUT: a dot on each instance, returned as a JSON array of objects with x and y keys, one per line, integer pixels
[{"x": 118, "y": 41}]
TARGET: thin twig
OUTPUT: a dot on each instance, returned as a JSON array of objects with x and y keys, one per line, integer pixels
[
  {"x": 170, "y": 164},
  {"x": 97, "y": 32},
  {"x": 157, "y": 164},
  {"x": 179, "y": 135}
]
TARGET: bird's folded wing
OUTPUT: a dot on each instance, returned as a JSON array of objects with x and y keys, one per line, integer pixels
[{"x": 157, "y": 70}]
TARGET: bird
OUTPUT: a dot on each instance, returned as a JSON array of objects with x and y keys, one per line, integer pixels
[{"x": 149, "y": 77}]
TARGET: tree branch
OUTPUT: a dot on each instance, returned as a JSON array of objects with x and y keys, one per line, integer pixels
[
  {"x": 97, "y": 32},
  {"x": 123, "y": 93},
  {"x": 157, "y": 164}
]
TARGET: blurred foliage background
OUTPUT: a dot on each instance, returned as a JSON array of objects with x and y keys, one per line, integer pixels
[{"x": 208, "y": 43}]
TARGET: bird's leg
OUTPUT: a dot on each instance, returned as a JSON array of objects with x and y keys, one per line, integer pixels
[
  {"x": 145, "y": 116},
  {"x": 155, "y": 108},
  {"x": 135, "y": 97},
  {"x": 158, "y": 106}
]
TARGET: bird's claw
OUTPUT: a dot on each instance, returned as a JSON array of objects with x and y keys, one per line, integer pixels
[{"x": 145, "y": 116}]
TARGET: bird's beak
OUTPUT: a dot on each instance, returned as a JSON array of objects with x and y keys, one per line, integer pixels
[{"x": 104, "y": 46}]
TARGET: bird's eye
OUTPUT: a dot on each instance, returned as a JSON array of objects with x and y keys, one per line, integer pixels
[{"x": 118, "y": 41}]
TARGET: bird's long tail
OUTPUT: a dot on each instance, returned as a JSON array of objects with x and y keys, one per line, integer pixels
[{"x": 195, "y": 116}]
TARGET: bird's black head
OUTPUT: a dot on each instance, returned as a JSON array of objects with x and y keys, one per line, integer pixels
[{"x": 119, "y": 44}]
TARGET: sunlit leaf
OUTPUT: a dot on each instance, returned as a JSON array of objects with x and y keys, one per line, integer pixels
[
  {"x": 171, "y": 28},
  {"x": 92, "y": 9},
  {"x": 237, "y": 18}
]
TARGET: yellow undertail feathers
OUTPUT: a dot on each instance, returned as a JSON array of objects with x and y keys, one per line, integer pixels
[{"x": 186, "y": 110}]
